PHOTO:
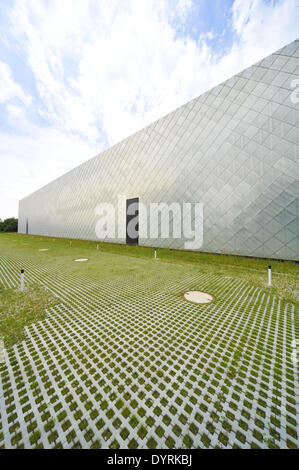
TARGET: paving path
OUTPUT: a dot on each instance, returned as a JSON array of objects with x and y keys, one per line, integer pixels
[{"x": 127, "y": 362}]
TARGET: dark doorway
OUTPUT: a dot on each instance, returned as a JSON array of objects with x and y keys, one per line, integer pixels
[
  {"x": 132, "y": 221},
  {"x": 27, "y": 227}
]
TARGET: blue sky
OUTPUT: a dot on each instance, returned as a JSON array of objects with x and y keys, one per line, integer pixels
[{"x": 78, "y": 76}]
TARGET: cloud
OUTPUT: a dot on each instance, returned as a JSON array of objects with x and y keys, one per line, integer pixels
[
  {"x": 35, "y": 158},
  {"x": 103, "y": 70},
  {"x": 262, "y": 27},
  {"x": 9, "y": 89},
  {"x": 129, "y": 66},
  {"x": 124, "y": 55},
  {"x": 183, "y": 8}
]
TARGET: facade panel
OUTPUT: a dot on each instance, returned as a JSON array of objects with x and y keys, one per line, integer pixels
[{"x": 234, "y": 149}]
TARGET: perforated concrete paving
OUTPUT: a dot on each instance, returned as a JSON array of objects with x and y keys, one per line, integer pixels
[{"x": 127, "y": 362}]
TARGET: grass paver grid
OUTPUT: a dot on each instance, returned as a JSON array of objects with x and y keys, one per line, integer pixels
[{"x": 129, "y": 363}]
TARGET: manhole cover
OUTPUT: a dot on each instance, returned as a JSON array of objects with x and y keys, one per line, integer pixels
[
  {"x": 43, "y": 249},
  {"x": 198, "y": 297},
  {"x": 81, "y": 259}
]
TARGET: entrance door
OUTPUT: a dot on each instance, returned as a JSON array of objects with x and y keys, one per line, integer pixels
[
  {"x": 27, "y": 227},
  {"x": 132, "y": 221}
]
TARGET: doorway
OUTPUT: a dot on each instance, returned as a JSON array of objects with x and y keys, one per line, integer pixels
[{"x": 132, "y": 221}]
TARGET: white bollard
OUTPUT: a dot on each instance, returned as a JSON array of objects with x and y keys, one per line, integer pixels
[
  {"x": 22, "y": 280},
  {"x": 269, "y": 276},
  {"x": 155, "y": 253}
]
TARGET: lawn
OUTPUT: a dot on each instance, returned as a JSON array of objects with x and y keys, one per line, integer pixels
[
  {"x": 121, "y": 360},
  {"x": 62, "y": 252},
  {"x": 20, "y": 309}
]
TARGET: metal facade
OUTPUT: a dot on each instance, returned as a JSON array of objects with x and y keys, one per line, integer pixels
[{"x": 234, "y": 148}]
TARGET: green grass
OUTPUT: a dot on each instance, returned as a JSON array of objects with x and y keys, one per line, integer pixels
[
  {"x": 112, "y": 260},
  {"x": 121, "y": 330},
  {"x": 20, "y": 309}
]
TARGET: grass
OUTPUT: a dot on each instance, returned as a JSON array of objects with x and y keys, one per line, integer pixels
[
  {"x": 113, "y": 259},
  {"x": 124, "y": 361},
  {"x": 20, "y": 309}
]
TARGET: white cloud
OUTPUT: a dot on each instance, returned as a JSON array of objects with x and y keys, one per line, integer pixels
[
  {"x": 262, "y": 28},
  {"x": 8, "y": 88},
  {"x": 130, "y": 67},
  {"x": 183, "y": 8},
  {"x": 35, "y": 158},
  {"x": 109, "y": 68}
]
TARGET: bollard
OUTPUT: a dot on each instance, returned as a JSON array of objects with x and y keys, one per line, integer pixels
[
  {"x": 22, "y": 280},
  {"x": 269, "y": 276},
  {"x": 155, "y": 253}
]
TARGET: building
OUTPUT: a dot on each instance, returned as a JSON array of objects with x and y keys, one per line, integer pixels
[{"x": 234, "y": 149}]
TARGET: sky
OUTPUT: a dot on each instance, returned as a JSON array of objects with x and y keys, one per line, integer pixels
[{"x": 77, "y": 76}]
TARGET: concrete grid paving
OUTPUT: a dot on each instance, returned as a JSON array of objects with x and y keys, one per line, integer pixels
[{"x": 128, "y": 363}]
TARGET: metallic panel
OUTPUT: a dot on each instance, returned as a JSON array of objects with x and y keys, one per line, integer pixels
[{"x": 234, "y": 148}]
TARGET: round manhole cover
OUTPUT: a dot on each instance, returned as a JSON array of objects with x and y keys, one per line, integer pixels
[
  {"x": 81, "y": 259},
  {"x": 43, "y": 249},
  {"x": 198, "y": 297}
]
